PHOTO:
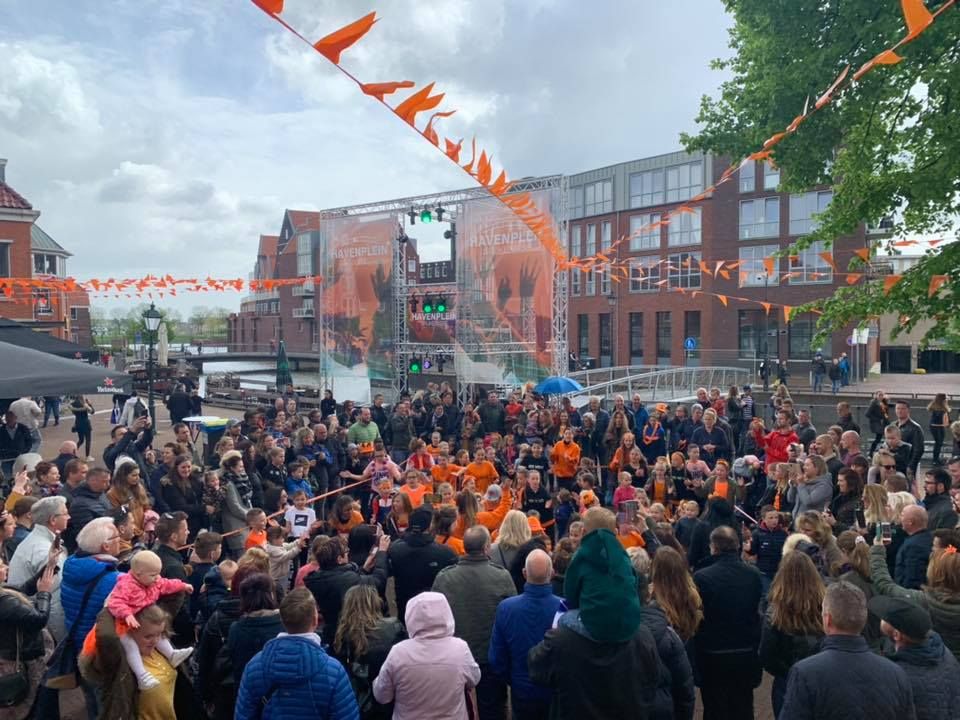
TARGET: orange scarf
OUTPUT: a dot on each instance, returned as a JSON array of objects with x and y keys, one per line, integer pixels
[
  {"x": 660, "y": 491},
  {"x": 720, "y": 489},
  {"x": 776, "y": 501},
  {"x": 650, "y": 439}
]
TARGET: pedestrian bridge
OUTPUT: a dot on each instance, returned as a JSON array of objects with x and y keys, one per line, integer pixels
[{"x": 656, "y": 383}]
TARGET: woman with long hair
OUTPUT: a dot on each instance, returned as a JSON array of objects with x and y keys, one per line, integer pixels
[
  {"x": 847, "y": 503},
  {"x": 126, "y": 490},
  {"x": 182, "y": 490},
  {"x": 939, "y": 422},
  {"x": 855, "y": 569},
  {"x": 444, "y": 519},
  {"x": 792, "y": 624},
  {"x": 616, "y": 429},
  {"x": 734, "y": 412},
  {"x": 82, "y": 410},
  {"x": 636, "y": 466},
  {"x": 781, "y": 475},
  {"x": 660, "y": 487},
  {"x": 812, "y": 524},
  {"x": 514, "y": 532},
  {"x": 363, "y": 641},
  {"x": 621, "y": 455},
  {"x": 238, "y": 499},
  {"x": 673, "y": 591},
  {"x": 259, "y": 621},
  {"x": 399, "y": 516},
  {"x": 940, "y": 595},
  {"x": 753, "y": 439}
]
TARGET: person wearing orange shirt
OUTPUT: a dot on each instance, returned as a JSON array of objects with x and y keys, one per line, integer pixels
[
  {"x": 482, "y": 471},
  {"x": 344, "y": 517},
  {"x": 444, "y": 471},
  {"x": 414, "y": 488},
  {"x": 444, "y": 519},
  {"x": 565, "y": 457},
  {"x": 497, "y": 501},
  {"x": 434, "y": 448},
  {"x": 256, "y": 529},
  {"x": 420, "y": 459},
  {"x": 721, "y": 485}
]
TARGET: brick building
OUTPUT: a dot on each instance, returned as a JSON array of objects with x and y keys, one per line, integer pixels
[
  {"x": 27, "y": 251},
  {"x": 637, "y": 321}
]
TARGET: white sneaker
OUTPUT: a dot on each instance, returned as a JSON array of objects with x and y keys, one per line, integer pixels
[
  {"x": 91, "y": 458},
  {"x": 147, "y": 681},
  {"x": 178, "y": 656}
]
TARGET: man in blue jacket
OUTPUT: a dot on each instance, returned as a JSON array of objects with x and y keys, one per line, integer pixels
[
  {"x": 293, "y": 677},
  {"x": 831, "y": 685},
  {"x": 910, "y": 570},
  {"x": 521, "y": 623}
]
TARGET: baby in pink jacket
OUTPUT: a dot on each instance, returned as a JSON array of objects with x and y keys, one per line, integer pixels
[{"x": 134, "y": 591}]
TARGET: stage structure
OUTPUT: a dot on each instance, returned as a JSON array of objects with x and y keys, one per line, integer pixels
[{"x": 507, "y": 320}]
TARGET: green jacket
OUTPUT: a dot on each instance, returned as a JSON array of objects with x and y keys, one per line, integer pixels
[{"x": 600, "y": 581}]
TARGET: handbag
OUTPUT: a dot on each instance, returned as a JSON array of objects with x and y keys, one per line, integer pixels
[
  {"x": 61, "y": 673},
  {"x": 14, "y": 687}
]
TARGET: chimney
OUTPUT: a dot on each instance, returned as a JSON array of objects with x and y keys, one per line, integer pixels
[{"x": 3, "y": 169}]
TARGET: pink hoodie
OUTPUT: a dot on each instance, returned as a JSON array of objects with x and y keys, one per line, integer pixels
[
  {"x": 130, "y": 597},
  {"x": 425, "y": 676}
]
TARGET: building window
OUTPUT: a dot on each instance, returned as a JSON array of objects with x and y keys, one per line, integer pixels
[
  {"x": 583, "y": 336},
  {"x": 646, "y": 188},
  {"x": 604, "y": 274},
  {"x": 4, "y": 259},
  {"x": 575, "y": 199},
  {"x": 74, "y": 313},
  {"x": 802, "y": 330},
  {"x": 683, "y": 270},
  {"x": 636, "y": 338},
  {"x": 809, "y": 267},
  {"x": 304, "y": 255},
  {"x": 757, "y": 333},
  {"x": 576, "y": 245},
  {"x": 590, "y": 282},
  {"x": 423, "y": 272},
  {"x": 44, "y": 264},
  {"x": 412, "y": 266},
  {"x": 576, "y": 279},
  {"x": 752, "y": 271},
  {"x": 590, "y": 249},
  {"x": 771, "y": 176},
  {"x": 684, "y": 228},
  {"x": 606, "y": 358},
  {"x": 748, "y": 178},
  {"x": 41, "y": 303},
  {"x": 642, "y": 235},
  {"x": 606, "y": 236},
  {"x": 759, "y": 218},
  {"x": 598, "y": 198},
  {"x": 804, "y": 208},
  {"x": 684, "y": 181},
  {"x": 664, "y": 336},
  {"x": 644, "y": 273}
]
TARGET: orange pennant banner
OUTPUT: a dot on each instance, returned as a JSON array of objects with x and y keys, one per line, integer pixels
[
  {"x": 917, "y": 17},
  {"x": 889, "y": 282},
  {"x": 936, "y": 282},
  {"x": 336, "y": 42},
  {"x": 416, "y": 103},
  {"x": 379, "y": 90}
]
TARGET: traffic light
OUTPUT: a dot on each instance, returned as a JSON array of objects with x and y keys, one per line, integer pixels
[
  {"x": 428, "y": 306},
  {"x": 441, "y": 306},
  {"x": 415, "y": 365},
  {"x": 426, "y": 216}
]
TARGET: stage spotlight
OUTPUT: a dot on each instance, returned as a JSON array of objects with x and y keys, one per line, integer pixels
[
  {"x": 413, "y": 216},
  {"x": 428, "y": 306},
  {"x": 427, "y": 364},
  {"x": 415, "y": 365},
  {"x": 441, "y": 359},
  {"x": 426, "y": 216}
]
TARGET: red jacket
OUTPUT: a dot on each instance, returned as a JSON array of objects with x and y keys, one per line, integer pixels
[{"x": 775, "y": 444}]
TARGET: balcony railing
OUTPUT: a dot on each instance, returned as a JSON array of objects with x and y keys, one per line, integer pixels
[
  {"x": 303, "y": 312},
  {"x": 305, "y": 290}
]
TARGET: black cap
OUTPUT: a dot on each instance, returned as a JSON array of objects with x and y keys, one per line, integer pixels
[
  {"x": 747, "y": 388},
  {"x": 907, "y": 617},
  {"x": 421, "y": 518}
]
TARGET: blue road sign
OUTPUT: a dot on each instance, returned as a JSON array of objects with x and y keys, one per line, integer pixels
[{"x": 690, "y": 344}]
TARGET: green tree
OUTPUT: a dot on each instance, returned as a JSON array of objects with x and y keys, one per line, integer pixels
[{"x": 888, "y": 143}]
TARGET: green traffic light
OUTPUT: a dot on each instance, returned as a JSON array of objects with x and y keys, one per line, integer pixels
[
  {"x": 426, "y": 216},
  {"x": 415, "y": 367},
  {"x": 441, "y": 307},
  {"x": 427, "y": 308}
]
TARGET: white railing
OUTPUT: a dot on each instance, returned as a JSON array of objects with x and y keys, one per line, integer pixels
[
  {"x": 305, "y": 290},
  {"x": 303, "y": 312},
  {"x": 664, "y": 384}
]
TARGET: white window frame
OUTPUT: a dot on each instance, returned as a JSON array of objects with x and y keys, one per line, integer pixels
[
  {"x": 651, "y": 265},
  {"x": 37, "y": 294},
  {"x": 751, "y": 269},
  {"x": 575, "y": 200},
  {"x": 589, "y": 282},
  {"x": 5, "y": 260},
  {"x": 803, "y": 207},
  {"x": 598, "y": 198},
  {"x": 684, "y": 181},
  {"x": 771, "y": 176},
  {"x": 590, "y": 246},
  {"x": 813, "y": 269},
  {"x": 304, "y": 255},
  {"x": 604, "y": 275},
  {"x": 606, "y": 236},
  {"x": 647, "y": 188},
  {"x": 647, "y": 239},
  {"x": 684, "y": 276},
  {"x": 576, "y": 281},
  {"x": 685, "y": 228},
  {"x": 762, "y": 221},
  {"x": 748, "y": 176}
]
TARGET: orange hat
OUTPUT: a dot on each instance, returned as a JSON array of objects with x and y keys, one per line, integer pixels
[
  {"x": 535, "y": 526},
  {"x": 661, "y": 408},
  {"x": 588, "y": 498}
]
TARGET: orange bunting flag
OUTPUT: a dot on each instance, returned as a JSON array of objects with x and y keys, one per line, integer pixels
[
  {"x": 887, "y": 57},
  {"x": 704, "y": 268},
  {"x": 339, "y": 40},
  {"x": 827, "y": 257},
  {"x": 787, "y": 309},
  {"x": 827, "y": 96},
  {"x": 934, "y": 243},
  {"x": 453, "y": 149},
  {"x": 917, "y": 17},
  {"x": 378, "y": 90},
  {"x": 428, "y": 132},
  {"x": 718, "y": 267},
  {"x": 853, "y": 277},
  {"x": 723, "y": 299},
  {"x": 768, "y": 264},
  {"x": 500, "y": 185},
  {"x": 936, "y": 281},
  {"x": 766, "y": 307},
  {"x": 270, "y": 7},
  {"x": 724, "y": 274},
  {"x": 416, "y": 103},
  {"x": 792, "y": 127},
  {"x": 484, "y": 170},
  {"x": 760, "y": 155},
  {"x": 889, "y": 282},
  {"x": 863, "y": 254},
  {"x": 773, "y": 140}
]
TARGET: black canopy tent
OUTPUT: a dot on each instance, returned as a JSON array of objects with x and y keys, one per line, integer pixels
[
  {"x": 27, "y": 372},
  {"x": 17, "y": 333}
]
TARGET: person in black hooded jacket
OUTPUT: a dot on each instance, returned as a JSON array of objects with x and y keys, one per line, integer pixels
[
  {"x": 719, "y": 512},
  {"x": 416, "y": 558}
]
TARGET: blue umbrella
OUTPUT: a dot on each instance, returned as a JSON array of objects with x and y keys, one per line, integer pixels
[{"x": 558, "y": 385}]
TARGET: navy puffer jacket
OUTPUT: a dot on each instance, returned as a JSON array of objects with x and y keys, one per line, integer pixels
[
  {"x": 935, "y": 677},
  {"x": 78, "y": 572},
  {"x": 676, "y": 696}
]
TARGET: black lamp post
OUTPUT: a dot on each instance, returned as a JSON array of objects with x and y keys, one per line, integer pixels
[{"x": 151, "y": 319}]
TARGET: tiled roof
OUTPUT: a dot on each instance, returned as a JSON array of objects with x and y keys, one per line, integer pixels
[
  {"x": 268, "y": 245},
  {"x": 10, "y": 198},
  {"x": 40, "y": 241},
  {"x": 304, "y": 220}
]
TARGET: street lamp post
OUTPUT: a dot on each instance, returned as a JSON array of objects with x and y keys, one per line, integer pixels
[{"x": 151, "y": 319}]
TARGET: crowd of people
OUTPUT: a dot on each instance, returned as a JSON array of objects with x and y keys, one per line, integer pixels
[{"x": 423, "y": 560}]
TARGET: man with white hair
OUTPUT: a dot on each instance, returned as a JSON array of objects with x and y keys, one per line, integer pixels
[
  {"x": 520, "y": 624},
  {"x": 50, "y": 518}
]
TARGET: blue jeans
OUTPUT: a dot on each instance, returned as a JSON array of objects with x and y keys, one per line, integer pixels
[
  {"x": 836, "y": 386},
  {"x": 52, "y": 407},
  {"x": 817, "y": 382}
]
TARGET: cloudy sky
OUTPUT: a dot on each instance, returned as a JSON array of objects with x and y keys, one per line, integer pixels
[{"x": 163, "y": 136}]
